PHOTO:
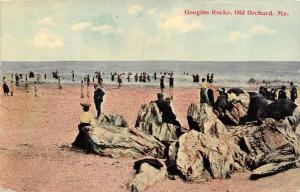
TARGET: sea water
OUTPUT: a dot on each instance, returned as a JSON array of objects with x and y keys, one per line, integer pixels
[{"x": 231, "y": 74}]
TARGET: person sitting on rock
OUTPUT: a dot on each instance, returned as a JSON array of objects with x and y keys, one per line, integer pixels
[
  {"x": 273, "y": 94},
  {"x": 232, "y": 97},
  {"x": 164, "y": 106},
  {"x": 86, "y": 118},
  {"x": 282, "y": 93},
  {"x": 222, "y": 103}
]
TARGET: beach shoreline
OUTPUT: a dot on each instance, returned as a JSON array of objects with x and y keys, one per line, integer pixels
[{"x": 36, "y": 133}]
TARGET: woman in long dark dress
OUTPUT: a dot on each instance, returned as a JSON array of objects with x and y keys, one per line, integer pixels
[{"x": 5, "y": 87}]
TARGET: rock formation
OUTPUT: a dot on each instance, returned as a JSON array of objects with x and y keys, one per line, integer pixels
[
  {"x": 147, "y": 174},
  {"x": 200, "y": 157},
  {"x": 202, "y": 118},
  {"x": 113, "y": 120},
  {"x": 113, "y": 141},
  {"x": 149, "y": 120},
  {"x": 207, "y": 151}
]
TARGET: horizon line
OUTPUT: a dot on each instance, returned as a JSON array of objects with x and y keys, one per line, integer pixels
[{"x": 152, "y": 61}]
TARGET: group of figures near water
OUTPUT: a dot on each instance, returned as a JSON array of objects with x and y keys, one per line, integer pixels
[{"x": 253, "y": 134}]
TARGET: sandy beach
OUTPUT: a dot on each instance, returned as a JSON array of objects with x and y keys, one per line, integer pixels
[{"x": 36, "y": 132}]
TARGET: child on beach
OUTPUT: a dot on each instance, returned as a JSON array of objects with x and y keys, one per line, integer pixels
[
  {"x": 35, "y": 89},
  {"x": 5, "y": 86},
  {"x": 12, "y": 88}
]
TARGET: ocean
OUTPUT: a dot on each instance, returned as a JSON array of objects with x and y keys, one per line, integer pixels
[{"x": 228, "y": 74}]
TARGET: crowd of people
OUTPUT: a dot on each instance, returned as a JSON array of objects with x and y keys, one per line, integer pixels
[{"x": 219, "y": 99}]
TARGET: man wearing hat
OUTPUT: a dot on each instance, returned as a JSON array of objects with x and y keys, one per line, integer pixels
[{"x": 98, "y": 98}]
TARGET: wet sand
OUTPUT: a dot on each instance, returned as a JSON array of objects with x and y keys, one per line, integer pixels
[{"x": 35, "y": 133}]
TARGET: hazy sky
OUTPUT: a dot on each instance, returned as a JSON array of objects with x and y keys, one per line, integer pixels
[{"x": 39, "y": 30}]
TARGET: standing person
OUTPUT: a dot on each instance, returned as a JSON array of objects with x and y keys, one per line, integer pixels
[
  {"x": 12, "y": 88},
  {"x": 73, "y": 76},
  {"x": 81, "y": 90},
  {"x": 98, "y": 98},
  {"x": 59, "y": 83},
  {"x": 88, "y": 80},
  {"x": 87, "y": 92},
  {"x": 293, "y": 92},
  {"x": 203, "y": 92},
  {"x": 45, "y": 76},
  {"x": 155, "y": 76},
  {"x": 207, "y": 77},
  {"x": 17, "y": 79},
  {"x": 38, "y": 77},
  {"x": 100, "y": 80},
  {"x": 212, "y": 78},
  {"x": 35, "y": 89},
  {"x": 119, "y": 80},
  {"x": 162, "y": 83},
  {"x": 282, "y": 93},
  {"x": 5, "y": 86},
  {"x": 26, "y": 81},
  {"x": 171, "y": 81}
]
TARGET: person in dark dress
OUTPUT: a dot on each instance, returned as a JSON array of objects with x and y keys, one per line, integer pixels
[
  {"x": 282, "y": 93},
  {"x": 293, "y": 92},
  {"x": 98, "y": 98},
  {"x": 5, "y": 86},
  {"x": 168, "y": 116}
]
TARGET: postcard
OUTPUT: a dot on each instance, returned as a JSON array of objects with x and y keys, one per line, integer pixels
[{"x": 149, "y": 95}]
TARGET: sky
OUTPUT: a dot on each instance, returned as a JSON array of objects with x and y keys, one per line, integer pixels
[{"x": 127, "y": 30}]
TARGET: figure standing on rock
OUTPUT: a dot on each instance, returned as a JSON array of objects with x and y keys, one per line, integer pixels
[
  {"x": 98, "y": 98},
  {"x": 168, "y": 116},
  {"x": 293, "y": 92},
  {"x": 203, "y": 92}
]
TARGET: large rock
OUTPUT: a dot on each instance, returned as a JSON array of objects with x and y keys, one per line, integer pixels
[
  {"x": 148, "y": 172},
  {"x": 273, "y": 168},
  {"x": 123, "y": 142},
  {"x": 235, "y": 115},
  {"x": 199, "y": 157},
  {"x": 271, "y": 147},
  {"x": 202, "y": 118},
  {"x": 149, "y": 120},
  {"x": 295, "y": 122},
  {"x": 111, "y": 138}
]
